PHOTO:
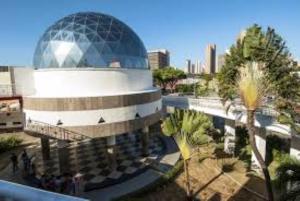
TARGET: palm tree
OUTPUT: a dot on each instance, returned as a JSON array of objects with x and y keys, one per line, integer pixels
[
  {"x": 288, "y": 178},
  {"x": 279, "y": 69},
  {"x": 252, "y": 89},
  {"x": 185, "y": 126}
]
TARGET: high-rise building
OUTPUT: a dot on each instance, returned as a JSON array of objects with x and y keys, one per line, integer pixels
[
  {"x": 198, "y": 67},
  {"x": 210, "y": 59},
  {"x": 158, "y": 58},
  {"x": 188, "y": 66},
  {"x": 221, "y": 62},
  {"x": 193, "y": 69}
]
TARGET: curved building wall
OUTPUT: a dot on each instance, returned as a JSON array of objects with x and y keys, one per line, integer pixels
[
  {"x": 124, "y": 99},
  {"x": 90, "y": 82}
]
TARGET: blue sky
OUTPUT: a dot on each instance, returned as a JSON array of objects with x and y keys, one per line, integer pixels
[{"x": 184, "y": 27}]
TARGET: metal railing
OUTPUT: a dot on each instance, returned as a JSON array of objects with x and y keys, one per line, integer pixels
[
  {"x": 212, "y": 103},
  {"x": 52, "y": 131}
]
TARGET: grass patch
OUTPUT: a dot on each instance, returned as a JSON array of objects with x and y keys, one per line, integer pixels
[
  {"x": 162, "y": 181},
  {"x": 8, "y": 143}
]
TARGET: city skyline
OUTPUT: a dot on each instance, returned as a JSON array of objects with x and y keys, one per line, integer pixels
[{"x": 184, "y": 34}]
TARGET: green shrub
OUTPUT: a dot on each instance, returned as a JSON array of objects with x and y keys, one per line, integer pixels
[
  {"x": 220, "y": 146},
  {"x": 276, "y": 146},
  {"x": 287, "y": 172},
  {"x": 245, "y": 155},
  {"x": 242, "y": 139},
  {"x": 184, "y": 88},
  {"x": 227, "y": 165},
  {"x": 8, "y": 143}
]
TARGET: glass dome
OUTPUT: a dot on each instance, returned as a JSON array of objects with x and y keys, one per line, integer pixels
[{"x": 90, "y": 40}]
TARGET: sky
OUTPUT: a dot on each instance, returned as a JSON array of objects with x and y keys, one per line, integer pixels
[{"x": 184, "y": 27}]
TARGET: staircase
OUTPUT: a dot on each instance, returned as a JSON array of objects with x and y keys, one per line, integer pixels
[{"x": 42, "y": 129}]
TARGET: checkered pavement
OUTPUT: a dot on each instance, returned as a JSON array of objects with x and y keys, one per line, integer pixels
[{"x": 89, "y": 157}]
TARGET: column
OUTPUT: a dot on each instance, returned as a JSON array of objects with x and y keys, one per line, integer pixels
[
  {"x": 45, "y": 145},
  {"x": 295, "y": 144},
  {"x": 111, "y": 152},
  {"x": 145, "y": 141},
  {"x": 260, "y": 140},
  {"x": 229, "y": 136},
  {"x": 63, "y": 154}
]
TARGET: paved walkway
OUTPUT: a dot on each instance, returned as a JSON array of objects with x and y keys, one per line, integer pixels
[
  {"x": 164, "y": 164},
  {"x": 140, "y": 181}
]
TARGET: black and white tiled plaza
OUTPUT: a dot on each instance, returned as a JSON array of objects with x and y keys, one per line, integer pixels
[{"x": 89, "y": 157}]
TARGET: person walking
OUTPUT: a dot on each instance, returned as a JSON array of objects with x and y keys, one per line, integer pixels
[
  {"x": 14, "y": 160},
  {"x": 25, "y": 160}
]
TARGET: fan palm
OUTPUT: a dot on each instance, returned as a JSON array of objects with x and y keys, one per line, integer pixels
[
  {"x": 184, "y": 125},
  {"x": 252, "y": 89},
  {"x": 288, "y": 178}
]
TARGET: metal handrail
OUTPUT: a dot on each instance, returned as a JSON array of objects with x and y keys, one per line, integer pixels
[
  {"x": 53, "y": 131},
  {"x": 215, "y": 103}
]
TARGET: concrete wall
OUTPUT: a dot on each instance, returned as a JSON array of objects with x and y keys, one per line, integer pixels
[
  {"x": 11, "y": 120},
  {"x": 24, "y": 81},
  {"x": 5, "y": 83}
]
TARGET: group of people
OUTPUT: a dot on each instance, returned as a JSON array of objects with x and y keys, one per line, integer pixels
[
  {"x": 66, "y": 183},
  {"x": 28, "y": 167}
]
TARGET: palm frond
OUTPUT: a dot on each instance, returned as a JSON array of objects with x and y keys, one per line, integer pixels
[
  {"x": 251, "y": 85},
  {"x": 183, "y": 145}
]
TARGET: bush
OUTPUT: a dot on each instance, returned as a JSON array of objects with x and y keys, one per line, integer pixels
[
  {"x": 220, "y": 146},
  {"x": 245, "y": 155},
  {"x": 8, "y": 143},
  {"x": 276, "y": 146},
  {"x": 242, "y": 139},
  {"x": 287, "y": 172},
  {"x": 227, "y": 165},
  {"x": 184, "y": 88}
]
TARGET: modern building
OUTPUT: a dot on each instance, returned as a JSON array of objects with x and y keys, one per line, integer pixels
[
  {"x": 198, "y": 67},
  {"x": 193, "y": 69},
  {"x": 210, "y": 59},
  {"x": 90, "y": 76},
  {"x": 221, "y": 62},
  {"x": 188, "y": 66},
  {"x": 158, "y": 58}
]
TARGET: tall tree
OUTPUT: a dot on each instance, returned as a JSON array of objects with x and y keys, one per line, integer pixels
[
  {"x": 188, "y": 128},
  {"x": 168, "y": 76},
  {"x": 260, "y": 65}
]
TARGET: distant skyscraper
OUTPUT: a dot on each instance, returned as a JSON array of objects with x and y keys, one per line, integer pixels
[
  {"x": 158, "y": 58},
  {"x": 221, "y": 62},
  {"x": 188, "y": 66},
  {"x": 198, "y": 67},
  {"x": 210, "y": 59},
  {"x": 193, "y": 69}
]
